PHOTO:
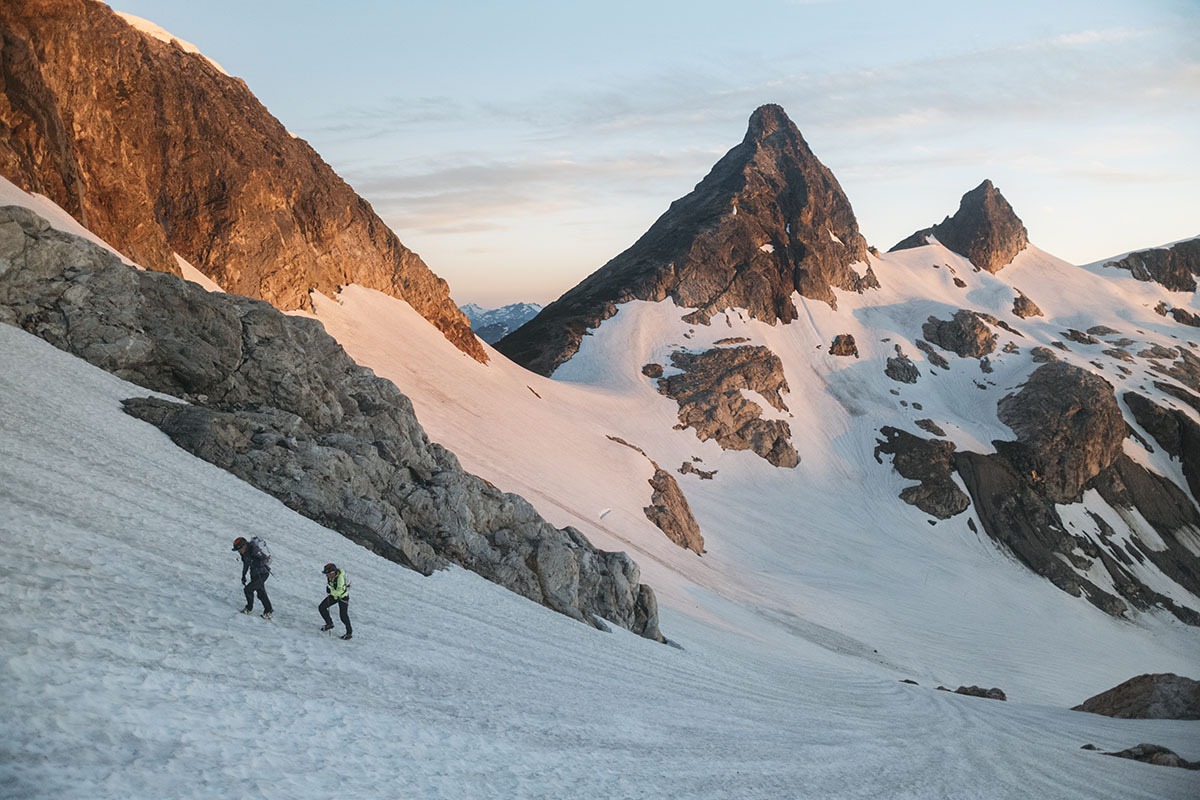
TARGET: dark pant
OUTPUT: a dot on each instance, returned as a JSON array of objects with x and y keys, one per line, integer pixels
[
  {"x": 257, "y": 585},
  {"x": 343, "y": 610}
]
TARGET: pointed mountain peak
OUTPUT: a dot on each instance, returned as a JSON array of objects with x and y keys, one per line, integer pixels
[
  {"x": 768, "y": 220},
  {"x": 766, "y": 120},
  {"x": 985, "y": 229}
]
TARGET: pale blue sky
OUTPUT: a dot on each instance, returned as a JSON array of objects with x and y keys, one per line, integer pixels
[{"x": 518, "y": 146}]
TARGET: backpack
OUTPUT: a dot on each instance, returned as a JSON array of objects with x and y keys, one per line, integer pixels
[{"x": 261, "y": 544}]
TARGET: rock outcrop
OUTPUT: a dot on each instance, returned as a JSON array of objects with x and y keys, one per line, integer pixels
[
  {"x": 670, "y": 512},
  {"x": 901, "y": 369},
  {"x": 1024, "y": 308},
  {"x": 966, "y": 334},
  {"x": 276, "y": 401},
  {"x": 984, "y": 229},
  {"x": 711, "y": 402},
  {"x": 1161, "y": 696},
  {"x": 158, "y": 151},
  {"x": 931, "y": 463},
  {"x": 1156, "y": 754},
  {"x": 843, "y": 345},
  {"x": 1174, "y": 267},
  {"x": 1069, "y": 432},
  {"x": 767, "y": 221}
]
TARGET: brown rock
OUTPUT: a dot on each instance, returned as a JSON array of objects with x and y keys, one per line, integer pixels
[
  {"x": 709, "y": 393},
  {"x": 755, "y": 230},
  {"x": 843, "y": 345},
  {"x": 1079, "y": 336},
  {"x": 1157, "y": 755},
  {"x": 1024, "y": 307},
  {"x": 652, "y": 370},
  {"x": 1161, "y": 696},
  {"x": 669, "y": 511},
  {"x": 157, "y": 151},
  {"x": 984, "y": 229}
]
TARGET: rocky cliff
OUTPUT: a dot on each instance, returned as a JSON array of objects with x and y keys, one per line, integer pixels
[
  {"x": 1175, "y": 267},
  {"x": 985, "y": 229},
  {"x": 158, "y": 151},
  {"x": 768, "y": 220},
  {"x": 276, "y": 401}
]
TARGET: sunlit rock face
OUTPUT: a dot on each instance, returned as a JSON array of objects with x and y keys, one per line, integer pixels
[{"x": 158, "y": 151}]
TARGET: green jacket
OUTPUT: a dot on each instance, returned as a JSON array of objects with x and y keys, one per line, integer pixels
[{"x": 336, "y": 585}]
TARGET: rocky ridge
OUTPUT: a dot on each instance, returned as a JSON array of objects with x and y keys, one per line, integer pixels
[
  {"x": 277, "y": 402},
  {"x": 1175, "y": 267},
  {"x": 768, "y": 220},
  {"x": 985, "y": 230},
  {"x": 158, "y": 152}
]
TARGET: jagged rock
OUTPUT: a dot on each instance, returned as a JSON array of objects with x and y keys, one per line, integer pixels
[
  {"x": 929, "y": 426},
  {"x": 1102, "y": 330},
  {"x": 960, "y": 283},
  {"x": 731, "y": 340},
  {"x": 984, "y": 229},
  {"x": 1185, "y": 317},
  {"x": 1158, "y": 351},
  {"x": 1119, "y": 353},
  {"x": 157, "y": 151},
  {"x": 652, "y": 370},
  {"x": 934, "y": 356},
  {"x": 1160, "y": 696},
  {"x": 1078, "y": 336},
  {"x": 966, "y": 334},
  {"x": 985, "y": 365},
  {"x": 1157, "y": 755},
  {"x": 1174, "y": 267},
  {"x": 843, "y": 345},
  {"x": 1010, "y": 347},
  {"x": 768, "y": 220},
  {"x": 977, "y": 691},
  {"x": 1024, "y": 308},
  {"x": 1162, "y": 308},
  {"x": 276, "y": 401},
  {"x": 929, "y": 462},
  {"x": 688, "y": 468},
  {"x": 900, "y": 368},
  {"x": 709, "y": 393},
  {"x": 1068, "y": 425},
  {"x": 669, "y": 511},
  {"x": 1186, "y": 370}
]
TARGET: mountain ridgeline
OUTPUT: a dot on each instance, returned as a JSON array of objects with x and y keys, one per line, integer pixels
[
  {"x": 769, "y": 220},
  {"x": 158, "y": 151}
]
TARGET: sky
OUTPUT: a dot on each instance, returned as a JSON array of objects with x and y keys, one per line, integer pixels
[{"x": 519, "y": 146}]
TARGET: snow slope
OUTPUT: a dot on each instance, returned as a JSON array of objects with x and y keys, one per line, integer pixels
[{"x": 127, "y": 671}]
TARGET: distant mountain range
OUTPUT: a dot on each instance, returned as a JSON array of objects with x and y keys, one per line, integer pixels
[{"x": 493, "y": 324}]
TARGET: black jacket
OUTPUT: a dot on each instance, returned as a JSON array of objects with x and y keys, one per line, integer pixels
[{"x": 255, "y": 561}]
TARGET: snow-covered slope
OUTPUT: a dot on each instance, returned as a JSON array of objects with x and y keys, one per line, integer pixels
[
  {"x": 128, "y": 672},
  {"x": 824, "y": 551}
]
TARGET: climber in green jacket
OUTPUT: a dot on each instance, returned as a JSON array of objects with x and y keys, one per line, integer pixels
[{"x": 338, "y": 591}]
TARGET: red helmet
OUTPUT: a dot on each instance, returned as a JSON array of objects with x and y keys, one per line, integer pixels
[
  {"x": 239, "y": 543},
  {"x": 330, "y": 568}
]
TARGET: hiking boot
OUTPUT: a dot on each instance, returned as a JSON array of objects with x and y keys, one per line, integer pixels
[
  {"x": 328, "y": 626},
  {"x": 347, "y": 636},
  {"x": 267, "y": 615},
  {"x": 247, "y": 610}
]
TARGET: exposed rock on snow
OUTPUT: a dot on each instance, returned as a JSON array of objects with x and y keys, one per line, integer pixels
[
  {"x": 1068, "y": 425},
  {"x": 984, "y": 229},
  {"x": 688, "y": 468},
  {"x": 966, "y": 334},
  {"x": 1162, "y": 696},
  {"x": 978, "y": 691},
  {"x": 843, "y": 345},
  {"x": 899, "y": 368},
  {"x": 1174, "y": 267},
  {"x": 1157, "y": 755},
  {"x": 935, "y": 358},
  {"x": 929, "y": 426},
  {"x": 703, "y": 256},
  {"x": 709, "y": 393},
  {"x": 652, "y": 370},
  {"x": 277, "y": 402},
  {"x": 1174, "y": 431},
  {"x": 1079, "y": 337},
  {"x": 669, "y": 511},
  {"x": 159, "y": 152},
  {"x": 931, "y": 463},
  {"x": 1024, "y": 307}
]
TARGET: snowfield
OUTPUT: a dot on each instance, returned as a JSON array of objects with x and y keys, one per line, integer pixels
[{"x": 128, "y": 672}]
